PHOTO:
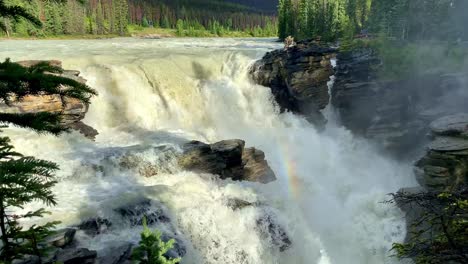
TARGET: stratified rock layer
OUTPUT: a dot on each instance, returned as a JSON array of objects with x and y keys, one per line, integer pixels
[
  {"x": 445, "y": 166},
  {"x": 298, "y": 78},
  {"x": 396, "y": 114},
  {"x": 72, "y": 110}
]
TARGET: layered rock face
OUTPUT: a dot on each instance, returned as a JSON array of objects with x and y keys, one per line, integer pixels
[
  {"x": 445, "y": 166},
  {"x": 73, "y": 110},
  {"x": 395, "y": 114},
  {"x": 298, "y": 78},
  {"x": 228, "y": 159}
]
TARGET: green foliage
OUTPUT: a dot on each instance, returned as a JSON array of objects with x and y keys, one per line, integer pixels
[
  {"x": 23, "y": 180},
  {"x": 26, "y": 179},
  {"x": 404, "y": 59},
  {"x": 398, "y": 19},
  {"x": 152, "y": 248},
  {"x": 17, "y": 81},
  {"x": 112, "y": 17},
  {"x": 327, "y": 20},
  {"x": 440, "y": 234}
]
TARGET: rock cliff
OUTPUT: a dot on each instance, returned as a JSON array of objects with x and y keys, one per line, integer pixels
[
  {"x": 395, "y": 114},
  {"x": 445, "y": 166},
  {"x": 298, "y": 78}
]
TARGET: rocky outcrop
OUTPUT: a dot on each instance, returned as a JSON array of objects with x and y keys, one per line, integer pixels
[
  {"x": 395, "y": 114},
  {"x": 298, "y": 78},
  {"x": 445, "y": 166},
  {"x": 228, "y": 159},
  {"x": 73, "y": 110}
]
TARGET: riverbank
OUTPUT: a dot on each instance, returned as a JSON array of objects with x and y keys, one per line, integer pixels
[{"x": 147, "y": 33}]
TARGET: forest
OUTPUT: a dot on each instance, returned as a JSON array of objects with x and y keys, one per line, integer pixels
[
  {"x": 398, "y": 19},
  {"x": 115, "y": 17}
]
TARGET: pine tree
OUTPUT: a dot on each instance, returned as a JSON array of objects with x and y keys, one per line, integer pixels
[
  {"x": 23, "y": 180},
  {"x": 99, "y": 19},
  {"x": 151, "y": 248},
  {"x": 15, "y": 13},
  {"x": 303, "y": 19}
]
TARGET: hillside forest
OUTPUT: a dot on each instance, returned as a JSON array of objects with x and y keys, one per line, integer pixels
[
  {"x": 398, "y": 19},
  {"x": 117, "y": 17}
]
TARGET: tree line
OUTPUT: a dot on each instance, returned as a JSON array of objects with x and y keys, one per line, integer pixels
[
  {"x": 209, "y": 15},
  {"x": 76, "y": 17},
  {"x": 399, "y": 19}
]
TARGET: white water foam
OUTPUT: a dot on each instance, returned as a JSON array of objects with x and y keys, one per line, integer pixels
[{"x": 152, "y": 93}]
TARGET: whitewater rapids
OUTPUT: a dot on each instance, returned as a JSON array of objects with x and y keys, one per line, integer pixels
[{"x": 330, "y": 186}]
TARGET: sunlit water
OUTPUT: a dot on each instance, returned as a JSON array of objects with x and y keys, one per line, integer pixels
[{"x": 330, "y": 186}]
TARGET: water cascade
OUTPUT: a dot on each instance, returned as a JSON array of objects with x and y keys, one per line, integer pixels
[{"x": 155, "y": 95}]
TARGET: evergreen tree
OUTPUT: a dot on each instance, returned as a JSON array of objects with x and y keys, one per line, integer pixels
[
  {"x": 303, "y": 19},
  {"x": 440, "y": 234},
  {"x": 23, "y": 180},
  {"x": 99, "y": 19},
  {"x": 151, "y": 248},
  {"x": 15, "y": 13}
]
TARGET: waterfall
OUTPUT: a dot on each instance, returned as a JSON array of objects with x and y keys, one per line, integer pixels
[{"x": 154, "y": 95}]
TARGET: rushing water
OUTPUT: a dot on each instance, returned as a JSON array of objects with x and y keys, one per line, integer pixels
[{"x": 330, "y": 185}]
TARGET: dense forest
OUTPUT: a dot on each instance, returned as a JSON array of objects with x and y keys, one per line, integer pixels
[
  {"x": 399, "y": 19},
  {"x": 99, "y": 17}
]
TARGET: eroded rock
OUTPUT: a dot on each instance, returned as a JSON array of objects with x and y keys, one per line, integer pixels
[
  {"x": 72, "y": 110},
  {"x": 228, "y": 159},
  {"x": 76, "y": 256},
  {"x": 298, "y": 78},
  {"x": 61, "y": 238},
  {"x": 445, "y": 165},
  {"x": 395, "y": 114}
]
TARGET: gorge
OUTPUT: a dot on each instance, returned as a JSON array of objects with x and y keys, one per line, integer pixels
[{"x": 156, "y": 96}]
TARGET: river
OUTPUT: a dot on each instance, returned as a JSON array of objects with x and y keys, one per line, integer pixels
[{"x": 157, "y": 94}]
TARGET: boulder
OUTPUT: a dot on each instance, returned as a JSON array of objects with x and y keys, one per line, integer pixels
[
  {"x": 269, "y": 228},
  {"x": 72, "y": 110},
  {"x": 61, "y": 238},
  {"x": 94, "y": 226},
  {"x": 76, "y": 256},
  {"x": 228, "y": 159},
  {"x": 116, "y": 254},
  {"x": 178, "y": 250},
  {"x": 134, "y": 213},
  {"x": 298, "y": 78}
]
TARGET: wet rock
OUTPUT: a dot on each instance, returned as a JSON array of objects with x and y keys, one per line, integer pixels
[
  {"x": 72, "y": 110},
  {"x": 61, "y": 238},
  {"x": 298, "y": 78},
  {"x": 134, "y": 213},
  {"x": 238, "y": 204},
  {"x": 228, "y": 159},
  {"x": 76, "y": 256},
  {"x": 256, "y": 168},
  {"x": 95, "y": 226},
  {"x": 268, "y": 227},
  {"x": 116, "y": 254},
  {"x": 178, "y": 250}
]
